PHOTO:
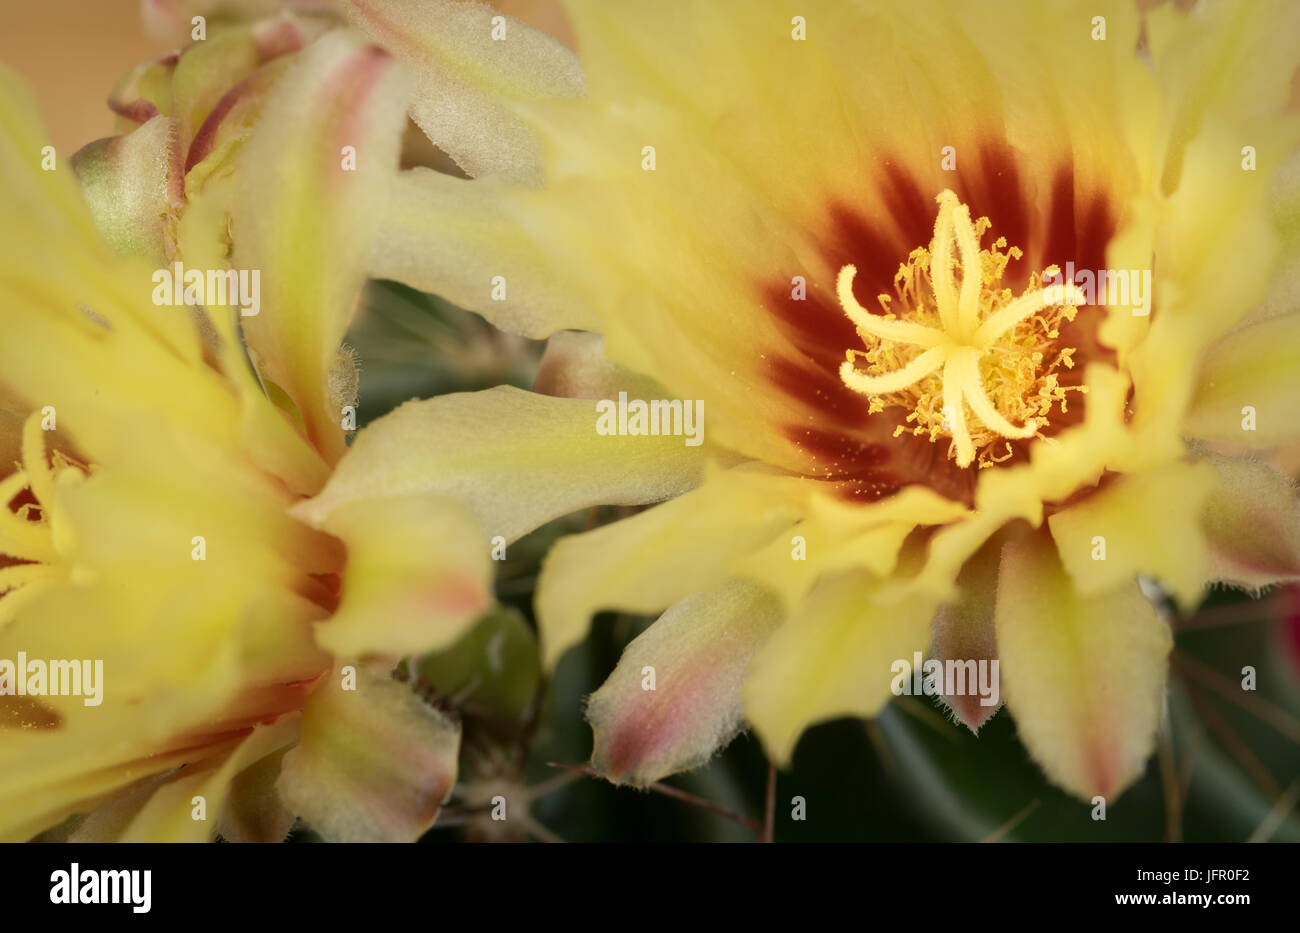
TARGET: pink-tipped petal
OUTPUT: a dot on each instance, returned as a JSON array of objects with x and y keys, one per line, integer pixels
[
  {"x": 675, "y": 697},
  {"x": 1084, "y": 676}
]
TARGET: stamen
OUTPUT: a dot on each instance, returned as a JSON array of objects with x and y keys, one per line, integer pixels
[
  {"x": 973, "y": 388},
  {"x": 955, "y": 415},
  {"x": 874, "y": 324},
  {"x": 39, "y": 476},
  {"x": 1023, "y": 307},
  {"x": 982, "y": 349},
  {"x": 941, "y": 277},
  {"x": 899, "y": 379},
  {"x": 971, "y": 273}
]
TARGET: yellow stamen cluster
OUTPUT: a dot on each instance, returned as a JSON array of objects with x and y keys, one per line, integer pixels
[{"x": 967, "y": 359}]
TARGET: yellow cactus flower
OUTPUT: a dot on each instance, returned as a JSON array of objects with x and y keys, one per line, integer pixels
[
  {"x": 986, "y": 305},
  {"x": 182, "y": 650}
]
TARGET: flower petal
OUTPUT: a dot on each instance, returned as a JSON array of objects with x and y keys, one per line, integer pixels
[
  {"x": 1077, "y": 459},
  {"x": 1248, "y": 390},
  {"x": 1084, "y": 676},
  {"x": 516, "y": 458},
  {"x": 836, "y": 536},
  {"x": 1223, "y": 76},
  {"x": 675, "y": 697},
  {"x": 208, "y": 69},
  {"x": 144, "y": 92},
  {"x": 374, "y": 765},
  {"x": 470, "y": 62},
  {"x": 254, "y": 811},
  {"x": 469, "y": 243},
  {"x": 418, "y": 574},
  {"x": 1143, "y": 523},
  {"x": 575, "y": 366},
  {"x": 638, "y": 564},
  {"x": 304, "y": 219},
  {"x": 1252, "y": 524},
  {"x": 831, "y": 658},
  {"x": 964, "y": 630},
  {"x": 168, "y": 815},
  {"x": 133, "y": 184}
]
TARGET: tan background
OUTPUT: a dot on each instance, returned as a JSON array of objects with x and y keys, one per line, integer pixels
[{"x": 72, "y": 52}]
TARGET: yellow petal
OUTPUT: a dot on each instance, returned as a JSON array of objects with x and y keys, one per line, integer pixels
[
  {"x": 304, "y": 219},
  {"x": 1252, "y": 524},
  {"x": 1248, "y": 391},
  {"x": 831, "y": 658},
  {"x": 1083, "y": 676},
  {"x": 1144, "y": 523},
  {"x": 206, "y": 71},
  {"x": 417, "y": 576},
  {"x": 1075, "y": 459},
  {"x": 835, "y": 536},
  {"x": 517, "y": 459},
  {"x": 1226, "y": 82},
  {"x": 640, "y": 564},
  {"x": 675, "y": 697},
  {"x": 168, "y": 816},
  {"x": 374, "y": 764},
  {"x": 469, "y": 244}
]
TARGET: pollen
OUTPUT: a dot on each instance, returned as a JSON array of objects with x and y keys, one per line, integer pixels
[{"x": 967, "y": 359}]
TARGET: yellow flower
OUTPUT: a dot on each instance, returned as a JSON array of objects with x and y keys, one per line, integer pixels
[
  {"x": 154, "y": 458},
  {"x": 981, "y": 464}
]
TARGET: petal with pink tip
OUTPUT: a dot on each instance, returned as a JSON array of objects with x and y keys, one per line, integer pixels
[
  {"x": 639, "y": 565},
  {"x": 374, "y": 764},
  {"x": 304, "y": 218},
  {"x": 675, "y": 697},
  {"x": 417, "y": 576},
  {"x": 1084, "y": 676},
  {"x": 963, "y": 631}
]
